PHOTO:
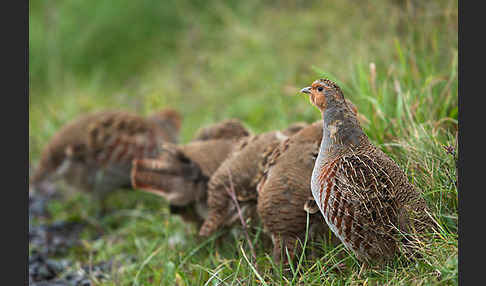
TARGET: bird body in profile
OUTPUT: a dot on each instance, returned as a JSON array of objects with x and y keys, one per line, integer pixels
[
  {"x": 238, "y": 174},
  {"x": 284, "y": 191},
  {"x": 284, "y": 194},
  {"x": 363, "y": 194},
  {"x": 94, "y": 153}
]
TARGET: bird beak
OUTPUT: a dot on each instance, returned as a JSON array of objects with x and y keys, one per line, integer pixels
[{"x": 306, "y": 90}]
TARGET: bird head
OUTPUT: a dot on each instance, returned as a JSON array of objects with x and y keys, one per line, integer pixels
[{"x": 324, "y": 93}]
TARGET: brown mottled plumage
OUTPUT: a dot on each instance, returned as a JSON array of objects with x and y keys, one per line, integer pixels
[
  {"x": 239, "y": 171},
  {"x": 94, "y": 153},
  {"x": 180, "y": 174},
  {"x": 226, "y": 129},
  {"x": 284, "y": 194},
  {"x": 284, "y": 191},
  {"x": 363, "y": 195}
]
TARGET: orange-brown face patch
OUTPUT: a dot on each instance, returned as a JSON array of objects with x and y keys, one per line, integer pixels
[{"x": 317, "y": 97}]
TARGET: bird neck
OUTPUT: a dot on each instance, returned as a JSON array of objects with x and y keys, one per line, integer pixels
[{"x": 341, "y": 130}]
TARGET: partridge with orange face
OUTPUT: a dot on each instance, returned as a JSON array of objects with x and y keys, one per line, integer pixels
[
  {"x": 94, "y": 153},
  {"x": 363, "y": 195}
]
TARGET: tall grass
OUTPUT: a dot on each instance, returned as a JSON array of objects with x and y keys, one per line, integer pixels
[{"x": 396, "y": 60}]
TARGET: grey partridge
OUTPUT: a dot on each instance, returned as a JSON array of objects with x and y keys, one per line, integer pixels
[
  {"x": 238, "y": 173},
  {"x": 226, "y": 129},
  {"x": 180, "y": 174},
  {"x": 363, "y": 194},
  {"x": 94, "y": 153}
]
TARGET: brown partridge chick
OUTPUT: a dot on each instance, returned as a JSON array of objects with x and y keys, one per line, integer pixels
[
  {"x": 238, "y": 173},
  {"x": 363, "y": 195},
  {"x": 226, "y": 129},
  {"x": 94, "y": 152},
  {"x": 180, "y": 174},
  {"x": 284, "y": 192},
  {"x": 284, "y": 195}
]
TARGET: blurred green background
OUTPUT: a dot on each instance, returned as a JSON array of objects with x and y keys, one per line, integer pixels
[
  {"x": 395, "y": 59},
  {"x": 245, "y": 59}
]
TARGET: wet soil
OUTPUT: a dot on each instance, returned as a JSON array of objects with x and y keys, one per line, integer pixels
[{"x": 49, "y": 245}]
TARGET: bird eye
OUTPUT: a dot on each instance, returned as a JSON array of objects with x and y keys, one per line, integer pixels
[{"x": 320, "y": 88}]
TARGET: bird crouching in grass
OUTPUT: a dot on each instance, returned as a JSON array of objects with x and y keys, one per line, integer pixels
[
  {"x": 180, "y": 173},
  {"x": 94, "y": 153},
  {"x": 235, "y": 181},
  {"x": 284, "y": 193}
]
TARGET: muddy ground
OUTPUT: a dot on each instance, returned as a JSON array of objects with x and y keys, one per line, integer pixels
[{"x": 49, "y": 246}]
